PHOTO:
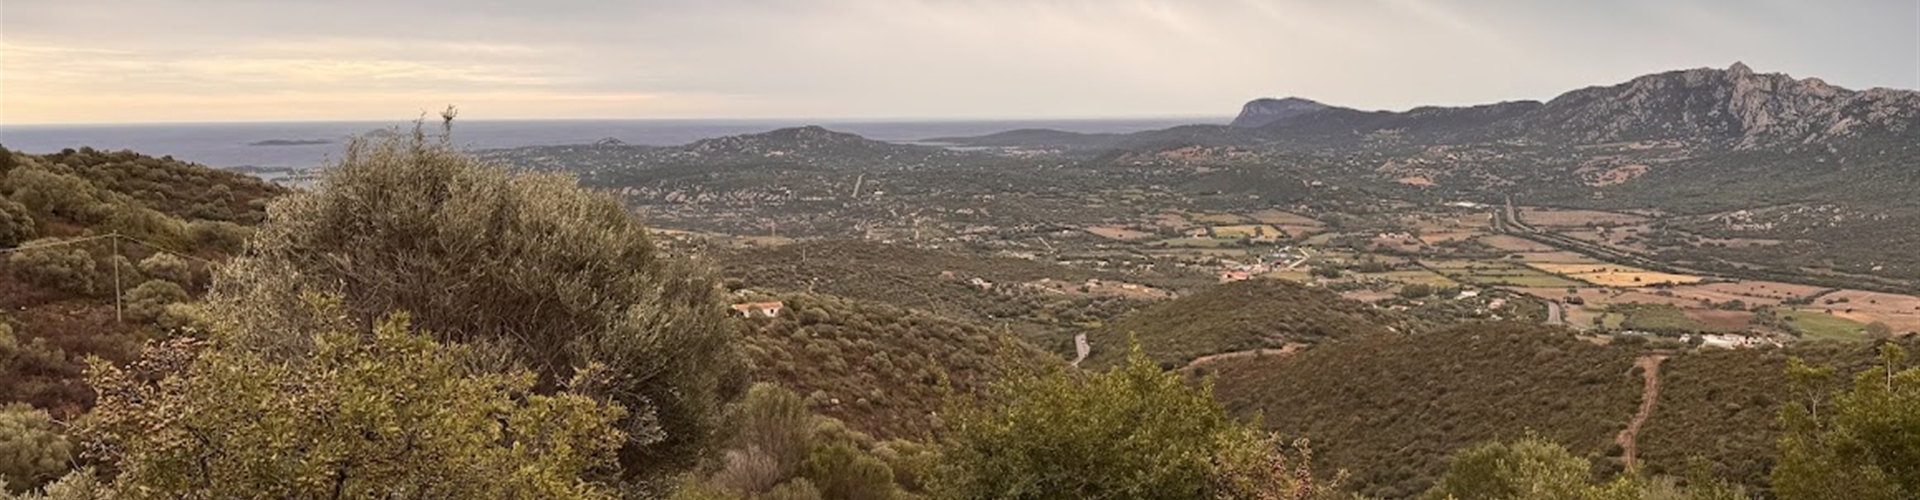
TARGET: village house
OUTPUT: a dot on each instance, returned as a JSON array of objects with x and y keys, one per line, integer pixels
[{"x": 759, "y": 309}]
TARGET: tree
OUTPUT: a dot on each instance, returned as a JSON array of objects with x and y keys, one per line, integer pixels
[
  {"x": 1863, "y": 443},
  {"x": 31, "y": 450},
  {"x": 382, "y": 414},
  {"x": 531, "y": 268},
  {"x": 1130, "y": 432},
  {"x": 1416, "y": 291}
]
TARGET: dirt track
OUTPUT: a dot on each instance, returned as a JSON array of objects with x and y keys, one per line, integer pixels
[{"x": 1628, "y": 439}]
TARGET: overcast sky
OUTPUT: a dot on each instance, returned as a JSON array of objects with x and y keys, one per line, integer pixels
[{"x": 97, "y": 61}]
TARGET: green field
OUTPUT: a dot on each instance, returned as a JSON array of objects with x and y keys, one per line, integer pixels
[
  {"x": 1816, "y": 325},
  {"x": 1613, "y": 320},
  {"x": 1499, "y": 273},
  {"x": 1192, "y": 242},
  {"x": 1415, "y": 276}
]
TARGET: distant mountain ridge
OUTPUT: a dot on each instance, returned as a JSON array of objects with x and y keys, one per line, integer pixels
[{"x": 1733, "y": 105}]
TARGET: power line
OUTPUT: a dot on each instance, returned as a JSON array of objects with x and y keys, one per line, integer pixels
[
  {"x": 58, "y": 243},
  {"x": 151, "y": 245}
]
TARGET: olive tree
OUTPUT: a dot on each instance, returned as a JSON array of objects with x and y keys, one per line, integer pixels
[{"x": 545, "y": 275}]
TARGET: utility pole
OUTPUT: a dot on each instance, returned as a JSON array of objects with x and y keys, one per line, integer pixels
[{"x": 118, "y": 315}]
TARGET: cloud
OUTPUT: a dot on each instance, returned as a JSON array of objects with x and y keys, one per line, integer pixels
[{"x": 82, "y": 60}]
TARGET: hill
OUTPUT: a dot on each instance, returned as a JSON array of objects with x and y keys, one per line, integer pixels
[
  {"x": 1261, "y": 112},
  {"x": 882, "y": 369},
  {"x": 1391, "y": 408},
  {"x": 80, "y": 227},
  {"x": 980, "y": 288},
  {"x": 1237, "y": 316}
]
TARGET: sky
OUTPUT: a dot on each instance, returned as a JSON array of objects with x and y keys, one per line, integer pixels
[{"x": 134, "y": 61}]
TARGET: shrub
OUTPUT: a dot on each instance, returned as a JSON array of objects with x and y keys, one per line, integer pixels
[
  {"x": 797, "y": 489},
  {"x": 31, "y": 450},
  {"x": 1130, "y": 432},
  {"x": 843, "y": 472},
  {"x": 1529, "y": 469},
  {"x": 220, "y": 236},
  {"x": 64, "y": 267},
  {"x": 16, "y": 226},
  {"x": 553, "y": 276},
  {"x": 59, "y": 195},
  {"x": 81, "y": 484},
  {"x": 776, "y": 431},
  {"x": 385, "y": 413},
  {"x": 149, "y": 300},
  {"x": 165, "y": 266}
]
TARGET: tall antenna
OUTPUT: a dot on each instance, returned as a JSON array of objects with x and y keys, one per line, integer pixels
[{"x": 446, "y": 123}]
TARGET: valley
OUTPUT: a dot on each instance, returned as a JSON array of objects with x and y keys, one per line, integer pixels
[{"x": 1619, "y": 270}]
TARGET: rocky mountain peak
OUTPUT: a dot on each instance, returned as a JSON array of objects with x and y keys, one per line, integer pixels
[
  {"x": 1737, "y": 104},
  {"x": 1739, "y": 70}
]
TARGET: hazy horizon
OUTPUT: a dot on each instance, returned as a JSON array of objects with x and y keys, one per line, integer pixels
[{"x": 232, "y": 61}]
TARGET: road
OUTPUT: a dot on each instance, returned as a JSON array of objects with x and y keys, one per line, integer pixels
[
  {"x": 1554, "y": 314},
  {"x": 1629, "y": 439}
]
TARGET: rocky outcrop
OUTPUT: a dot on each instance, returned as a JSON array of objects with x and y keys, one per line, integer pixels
[{"x": 1263, "y": 112}]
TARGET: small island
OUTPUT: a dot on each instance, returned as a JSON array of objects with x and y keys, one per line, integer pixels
[{"x": 290, "y": 142}]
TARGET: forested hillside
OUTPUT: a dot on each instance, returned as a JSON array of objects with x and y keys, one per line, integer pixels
[
  {"x": 1239, "y": 316},
  {"x": 80, "y": 227}
]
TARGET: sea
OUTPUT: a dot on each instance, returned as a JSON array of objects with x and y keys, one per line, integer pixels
[{"x": 302, "y": 145}]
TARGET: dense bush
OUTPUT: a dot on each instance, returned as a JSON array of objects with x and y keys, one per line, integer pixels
[
  {"x": 549, "y": 275},
  {"x": 149, "y": 300},
  {"x": 382, "y": 414},
  {"x": 65, "y": 267},
  {"x": 58, "y": 195},
  {"x": 32, "y": 452},
  {"x": 219, "y": 236},
  {"x": 166, "y": 266},
  {"x": 16, "y": 226},
  {"x": 1131, "y": 432}
]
